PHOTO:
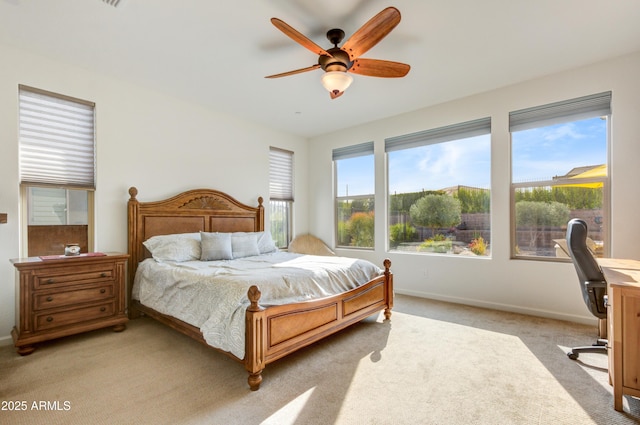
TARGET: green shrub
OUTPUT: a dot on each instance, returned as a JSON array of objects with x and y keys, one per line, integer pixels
[
  {"x": 360, "y": 228},
  {"x": 343, "y": 235},
  {"x": 401, "y": 232},
  {"x": 436, "y": 211},
  {"x": 439, "y": 243},
  {"x": 534, "y": 216}
]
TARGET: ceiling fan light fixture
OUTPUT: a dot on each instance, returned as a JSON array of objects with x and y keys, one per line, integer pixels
[
  {"x": 336, "y": 82},
  {"x": 337, "y": 61}
]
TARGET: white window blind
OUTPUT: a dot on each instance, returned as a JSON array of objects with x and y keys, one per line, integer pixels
[
  {"x": 439, "y": 135},
  {"x": 280, "y": 174},
  {"x": 353, "y": 151},
  {"x": 56, "y": 140},
  {"x": 559, "y": 112}
]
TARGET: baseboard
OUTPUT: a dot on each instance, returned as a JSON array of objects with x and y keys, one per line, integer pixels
[
  {"x": 585, "y": 320},
  {"x": 6, "y": 340}
]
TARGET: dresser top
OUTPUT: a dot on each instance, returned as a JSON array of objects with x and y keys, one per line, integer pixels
[{"x": 68, "y": 259}]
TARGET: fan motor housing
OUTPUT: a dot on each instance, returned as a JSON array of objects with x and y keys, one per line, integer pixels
[{"x": 338, "y": 61}]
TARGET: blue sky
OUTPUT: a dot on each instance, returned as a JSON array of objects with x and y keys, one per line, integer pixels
[
  {"x": 545, "y": 152},
  {"x": 538, "y": 154},
  {"x": 356, "y": 176},
  {"x": 432, "y": 167}
]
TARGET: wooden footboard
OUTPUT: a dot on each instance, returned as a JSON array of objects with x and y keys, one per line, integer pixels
[{"x": 274, "y": 332}]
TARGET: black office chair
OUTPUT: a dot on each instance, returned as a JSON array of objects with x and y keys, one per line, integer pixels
[{"x": 592, "y": 282}]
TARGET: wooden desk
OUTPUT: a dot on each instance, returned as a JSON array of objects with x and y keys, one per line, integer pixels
[{"x": 623, "y": 317}]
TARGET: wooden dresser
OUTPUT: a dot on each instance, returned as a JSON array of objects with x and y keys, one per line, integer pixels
[
  {"x": 623, "y": 318},
  {"x": 66, "y": 296}
]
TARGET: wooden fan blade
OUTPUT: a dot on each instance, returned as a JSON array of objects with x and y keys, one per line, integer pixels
[
  {"x": 372, "y": 32},
  {"x": 379, "y": 68},
  {"x": 297, "y": 71},
  {"x": 298, "y": 37}
]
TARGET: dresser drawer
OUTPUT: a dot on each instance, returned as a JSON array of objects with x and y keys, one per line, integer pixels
[
  {"x": 65, "y": 276},
  {"x": 67, "y": 317},
  {"x": 62, "y": 298}
]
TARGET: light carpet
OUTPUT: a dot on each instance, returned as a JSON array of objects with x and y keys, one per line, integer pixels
[{"x": 433, "y": 363}]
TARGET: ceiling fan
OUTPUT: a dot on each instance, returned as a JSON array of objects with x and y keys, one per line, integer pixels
[{"x": 338, "y": 62}]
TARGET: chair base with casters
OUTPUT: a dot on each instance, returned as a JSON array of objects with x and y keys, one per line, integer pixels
[{"x": 600, "y": 346}]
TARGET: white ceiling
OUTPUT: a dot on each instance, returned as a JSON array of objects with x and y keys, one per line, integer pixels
[{"x": 216, "y": 53}]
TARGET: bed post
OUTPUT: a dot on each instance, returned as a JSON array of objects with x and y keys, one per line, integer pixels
[
  {"x": 132, "y": 264},
  {"x": 388, "y": 277},
  {"x": 260, "y": 226},
  {"x": 255, "y": 344}
]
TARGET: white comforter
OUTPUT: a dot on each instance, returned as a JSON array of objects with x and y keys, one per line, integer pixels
[{"x": 212, "y": 295}]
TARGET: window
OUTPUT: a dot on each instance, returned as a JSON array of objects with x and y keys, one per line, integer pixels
[
  {"x": 355, "y": 189},
  {"x": 559, "y": 172},
  {"x": 280, "y": 195},
  {"x": 55, "y": 206},
  {"x": 439, "y": 190},
  {"x": 57, "y": 171}
]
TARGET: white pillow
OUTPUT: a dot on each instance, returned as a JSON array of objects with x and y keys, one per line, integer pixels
[
  {"x": 175, "y": 247},
  {"x": 215, "y": 246},
  {"x": 266, "y": 244},
  {"x": 244, "y": 245}
]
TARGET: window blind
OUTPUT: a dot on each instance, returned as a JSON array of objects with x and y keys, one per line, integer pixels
[
  {"x": 280, "y": 174},
  {"x": 353, "y": 151},
  {"x": 439, "y": 135},
  {"x": 56, "y": 140},
  {"x": 555, "y": 113}
]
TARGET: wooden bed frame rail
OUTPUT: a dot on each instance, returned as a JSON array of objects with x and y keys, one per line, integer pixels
[{"x": 271, "y": 332}]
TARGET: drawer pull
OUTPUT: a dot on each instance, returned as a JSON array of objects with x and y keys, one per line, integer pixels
[
  {"x": 102, "y": 291},
  {"x": 50, "y": 280},
  {"x": 49, "y": 319},
  {"x": 103, "y": 309},
  {"x": 103, "y": 274},
  {"x": 49, "y": 298}
]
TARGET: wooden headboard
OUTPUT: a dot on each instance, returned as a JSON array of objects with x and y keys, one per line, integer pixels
[{"x": 205, "y": 210}]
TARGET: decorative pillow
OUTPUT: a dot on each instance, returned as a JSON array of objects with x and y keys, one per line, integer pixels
[
  {"x": 266, "y": 244},
  {"x": 244, "y": 245},
  {"x": 175, "y": 247},
  {"x": 215, "y": 246}
]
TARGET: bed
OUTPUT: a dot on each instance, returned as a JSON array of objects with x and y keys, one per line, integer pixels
[{"x": 271, "y": 331}]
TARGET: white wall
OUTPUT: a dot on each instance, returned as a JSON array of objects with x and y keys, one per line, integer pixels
[
  {"x": 163, "y": 145},
  {"x": 539, "y": 288},
  {"x": 159, "y": 144}
]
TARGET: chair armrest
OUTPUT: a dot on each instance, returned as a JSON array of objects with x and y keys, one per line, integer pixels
[
  {"x": 591, "y": 285},
  {"x": 595, "y": 284}
]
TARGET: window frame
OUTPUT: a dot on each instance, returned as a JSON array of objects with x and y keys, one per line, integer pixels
[
  {"x": 350, "y": 152},
  {"x": 84, "y": 181},
  {"x": 281, "y": 190},
  {"x": 562, "y": 112},
  {"x": 435, "y": 136},
  {"x": 24, "y": 219}
]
